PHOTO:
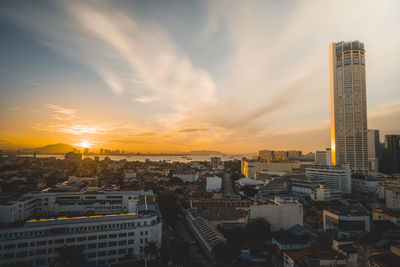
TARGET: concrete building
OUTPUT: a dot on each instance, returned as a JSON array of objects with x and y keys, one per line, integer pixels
[
  {"x": 314, "y": 256},
  {"x": 373, "y": 150},
  {"x": 187, "y": 176},
  {"x": 304, "y": 186},
  {"x": 349, "y": 140},
  {"x": 334, "y": 177},
  {"x": 325, "y": 194},
  {"x": 90, "y": 201},
  {"x": 345, "y": 222},
  {"x": 320, "y": 157},
  {"x": 216, "y": 163},
  {"x": 249, "y": 168},
  {"x": 386, "y": 259},
  {"x": 366, "y": 185},
  {"x": 101, "y": 239},
  {"x": 282, "y": 213},
  {"x": 391, "y": 154},
  {"x": 213, "y": 183},
  {"x": 266, "y": 155}
]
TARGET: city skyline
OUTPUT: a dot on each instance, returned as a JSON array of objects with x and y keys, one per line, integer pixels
[{"x": 133, "y": 77}]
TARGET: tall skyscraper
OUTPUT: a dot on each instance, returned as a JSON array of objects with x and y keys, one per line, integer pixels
[
  {"x": 391, "y": 154},
  {"x": 349, "y": 143}
]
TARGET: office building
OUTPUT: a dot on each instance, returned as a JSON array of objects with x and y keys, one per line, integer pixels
[
  {"x": 373, "y": 150},
  {"x": 348, "y": 105},
  {"x": 109, "y": 226},
  {"x": 249, "y": 168},
  {"x": 391, "y": 154},
  {"x": 320, "y": 157},
  {"x": 334, "y": 177}
]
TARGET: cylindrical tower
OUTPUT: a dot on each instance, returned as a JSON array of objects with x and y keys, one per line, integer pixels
[{"x": 349, "y": 129}]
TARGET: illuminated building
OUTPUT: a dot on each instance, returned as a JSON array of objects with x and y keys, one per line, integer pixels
[
  {"x": 348, "y": 105},
  {"x": 108, "y": 227}
]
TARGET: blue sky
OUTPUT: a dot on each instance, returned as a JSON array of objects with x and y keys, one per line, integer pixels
[{"x": 235, "y": 76}]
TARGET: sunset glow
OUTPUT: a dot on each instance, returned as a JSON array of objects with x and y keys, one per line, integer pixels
[{"x": 233, "y": 81}]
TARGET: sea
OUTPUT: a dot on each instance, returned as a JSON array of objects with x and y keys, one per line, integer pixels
[{"x": 156, "y": 158}]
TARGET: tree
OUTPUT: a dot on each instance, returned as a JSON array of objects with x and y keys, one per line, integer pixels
[
  {"x": 151, "y": 250},
  {"x": 179, "y": 249},
  {"x": 257, "y": 232},
  {"x": 236, "y": 240},
  {"x": 221, "y": 251}
]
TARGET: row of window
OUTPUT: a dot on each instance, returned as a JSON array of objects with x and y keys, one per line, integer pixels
[
  {"x": 78, "y": 239},
  {"x": 73, "y": 229}
]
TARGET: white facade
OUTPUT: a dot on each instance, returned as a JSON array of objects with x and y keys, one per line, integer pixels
[
  {"x": 102, "y": 239},
  {"x": 325, "y": 194},
  {"x": 282, "y": 214},
  {"x": 187, "y": 176},
  {"x": 366, "y": 186},
  {"x": 334, "y": 177},
  {"x": 213, "y": 183},
  {"x": 393, "y": 198}
]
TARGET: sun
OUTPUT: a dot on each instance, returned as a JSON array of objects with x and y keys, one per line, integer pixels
[{"x": 84, "y": 144}]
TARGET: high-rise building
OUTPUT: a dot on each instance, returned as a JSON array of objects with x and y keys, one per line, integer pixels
[
  {"x": 320, "y": 157},
  {"x": 373, "y": 150},
  {"x": 391, "y": 154},
  {"x": 348, "y": 105}
]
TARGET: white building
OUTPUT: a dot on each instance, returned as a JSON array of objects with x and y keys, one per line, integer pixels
[
  {"x": 187, "y": 176},
  {"x": 283, "y": 213},
  {"x": 334, "y": 177},
  {"x": 213, "y": 183},
  {"x": 102, "y": 239},
  {"x": 93, "y": 200},
  {"x": 325, "y": 194},
  {"x": 366, "y": 185}
]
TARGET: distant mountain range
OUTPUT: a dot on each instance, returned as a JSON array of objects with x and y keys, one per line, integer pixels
[{"x": 61, "y": 148}]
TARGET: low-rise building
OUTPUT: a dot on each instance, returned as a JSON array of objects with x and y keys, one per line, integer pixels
[
  {"x": 314, "y": 256},
  {"x": 325, "y": 194},
  {"x": 187, "y": 176},
  {"x": 345, "y": 222},
  {"x": 213, "y": 183},
  {"x": 207, "y": 235},
  {"x": 251, "y": 167},
  {"x": 366, "y": 185},
  {"x": 282, "y": 213},
  {"x": 386, "y": 259}
]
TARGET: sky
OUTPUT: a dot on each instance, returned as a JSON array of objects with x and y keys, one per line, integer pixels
[{"x": 152, "y": 76}]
